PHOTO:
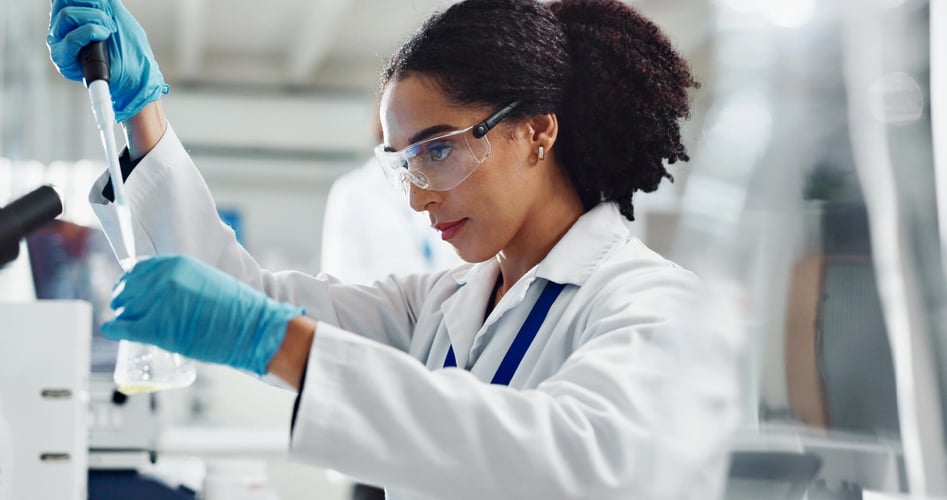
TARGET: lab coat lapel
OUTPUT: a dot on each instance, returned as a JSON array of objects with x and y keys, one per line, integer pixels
[
  {"x": 463, "y": 311},
  {"x": 512, "y": 299}
]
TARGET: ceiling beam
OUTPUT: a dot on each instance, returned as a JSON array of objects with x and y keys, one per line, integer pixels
[{"x": 317, "y": 29}]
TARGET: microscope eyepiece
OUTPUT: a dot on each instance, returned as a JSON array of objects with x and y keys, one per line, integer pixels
[{"x": 24, "y": 215}]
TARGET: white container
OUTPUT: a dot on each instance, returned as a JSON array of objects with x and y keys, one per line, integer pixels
[
  {"x": 237, "y": 479},
  {"x": 44, "y": 383},
  {"x": 6, "y": 458}
]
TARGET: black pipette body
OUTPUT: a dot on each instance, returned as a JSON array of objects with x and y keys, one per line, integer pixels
[{"x": 94, "y": 59}]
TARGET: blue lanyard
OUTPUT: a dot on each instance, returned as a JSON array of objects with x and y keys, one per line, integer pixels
[{"x": 523, "y": 339}]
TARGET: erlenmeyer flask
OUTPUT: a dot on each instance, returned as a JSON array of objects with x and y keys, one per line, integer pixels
[{"x": 147, "y": 368}]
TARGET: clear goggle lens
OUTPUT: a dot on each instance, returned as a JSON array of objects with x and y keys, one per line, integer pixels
[{"x": 436, "y": 164}]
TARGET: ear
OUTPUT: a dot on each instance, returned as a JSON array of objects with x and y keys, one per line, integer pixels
[{"x": 542, "y": 132}]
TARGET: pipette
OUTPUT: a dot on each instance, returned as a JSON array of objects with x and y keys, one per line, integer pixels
[
  {"x": 138, "y": 367},
  {"x": 94, "y": 59}
]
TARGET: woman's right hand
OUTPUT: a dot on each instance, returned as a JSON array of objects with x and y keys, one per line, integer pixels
[{"x": 135, "y": 79}]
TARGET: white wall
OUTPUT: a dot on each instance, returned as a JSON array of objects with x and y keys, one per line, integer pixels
[{"x": 271, "y": 156}]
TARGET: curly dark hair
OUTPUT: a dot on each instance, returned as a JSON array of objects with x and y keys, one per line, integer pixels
[{"x": 611, "y": 76}]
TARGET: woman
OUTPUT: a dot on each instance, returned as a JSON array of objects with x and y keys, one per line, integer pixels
[{"x": 559, "y": 365}]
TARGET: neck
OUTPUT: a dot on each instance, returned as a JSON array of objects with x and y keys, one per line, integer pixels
[{"x": 543, "y": 228}]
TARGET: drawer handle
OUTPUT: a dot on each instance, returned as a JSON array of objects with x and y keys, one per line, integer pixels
[
  {"x": 56, "y": 393},
  {"x": 55, "y": 457}
]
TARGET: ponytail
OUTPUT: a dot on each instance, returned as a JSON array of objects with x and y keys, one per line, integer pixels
[{"x": 619, "y": 118}]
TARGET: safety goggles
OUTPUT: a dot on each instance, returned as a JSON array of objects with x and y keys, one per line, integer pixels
[{"x": 442, "y": 162}]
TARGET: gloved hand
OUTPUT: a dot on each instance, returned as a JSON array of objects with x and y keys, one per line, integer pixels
[
  {"x": 134, "y": 78},
  {"x": 185, "y": 306}
]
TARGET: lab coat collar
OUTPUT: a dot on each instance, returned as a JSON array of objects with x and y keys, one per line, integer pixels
[
  {"x": 580, "y": 251},
  {"x": 463, "y": 311},
  {"x": 576, "y": 255}
]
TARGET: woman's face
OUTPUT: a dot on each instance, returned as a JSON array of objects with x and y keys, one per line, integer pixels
[{"x": 483, "y": 214}]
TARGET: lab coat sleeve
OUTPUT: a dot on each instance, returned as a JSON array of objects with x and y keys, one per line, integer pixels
[
  {"x": 173, "y": 213},
  {"x": 630, "y": 414}
]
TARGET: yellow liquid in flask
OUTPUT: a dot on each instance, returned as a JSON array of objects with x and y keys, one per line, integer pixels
[{"x": 128, "y": 390}]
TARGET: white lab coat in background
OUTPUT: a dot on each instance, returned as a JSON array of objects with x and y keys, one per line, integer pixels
[
  {"x": 370, "y": 231},
  {"x": 624, "y": 393}
]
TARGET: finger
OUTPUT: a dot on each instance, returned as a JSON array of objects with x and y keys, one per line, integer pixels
[
  {"x": 137, "y": 313},
  {"x": 150, "y": 265},
  {"x": 134, "y": 310},
  {"x": 134, "y": 295},
  {"x": 65, "y": 53},
  {"x": 57, "y": 5},
  {"x": 71, "y": 18},
  {"x": 138, "y": 287},
  {"x": 119, "y": 329},
  {"x": 144, "y": 330},
  {"x": 118, "y": 295}
]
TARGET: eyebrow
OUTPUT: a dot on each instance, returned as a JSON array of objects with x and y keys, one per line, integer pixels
[{"x": 424, "y": 134}]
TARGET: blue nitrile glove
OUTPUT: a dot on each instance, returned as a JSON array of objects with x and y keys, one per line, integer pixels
[
  {"x": 134, "y": 77},
  {"x": 185, "y": 306}
]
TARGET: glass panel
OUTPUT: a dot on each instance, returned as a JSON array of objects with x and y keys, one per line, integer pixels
[{"x": 778, "y": 214}]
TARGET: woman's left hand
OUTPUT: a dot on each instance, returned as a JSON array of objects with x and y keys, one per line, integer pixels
[{"x": 185, "y": 306}]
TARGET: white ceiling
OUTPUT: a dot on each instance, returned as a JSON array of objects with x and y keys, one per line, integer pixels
[
  {"x": 285, "y": 42},
  {"x": 305, "y": 43}
]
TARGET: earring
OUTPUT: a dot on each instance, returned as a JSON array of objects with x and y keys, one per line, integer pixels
[{"x": 542, "y": 153}]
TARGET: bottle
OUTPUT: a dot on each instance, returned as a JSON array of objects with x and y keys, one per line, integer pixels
[{"x": 6, "y": 458}]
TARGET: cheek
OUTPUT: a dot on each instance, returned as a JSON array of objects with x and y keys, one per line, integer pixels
[
  {"x": 494, "y": 197},
  {"x": 508, "y": 183},
  {"x": 489, "y": 189},
  {"x": 497, "y": 201},
  {"x": 481, "y": 199}
]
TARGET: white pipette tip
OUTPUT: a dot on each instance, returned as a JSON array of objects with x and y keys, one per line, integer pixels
[
  {"x": 128, "y": 236},
  {"x": 101, "y": 99}
]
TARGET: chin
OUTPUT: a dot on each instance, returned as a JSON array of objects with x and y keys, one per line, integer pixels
[{"x": 473, "y": 255}]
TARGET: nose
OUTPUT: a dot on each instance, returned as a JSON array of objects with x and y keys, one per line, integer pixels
[{"x": 419, "y": 199}]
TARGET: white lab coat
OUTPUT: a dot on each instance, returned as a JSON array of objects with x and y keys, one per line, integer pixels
[
  {"x": 370, "y": 231},
  {"x": 622, "y": 394}
]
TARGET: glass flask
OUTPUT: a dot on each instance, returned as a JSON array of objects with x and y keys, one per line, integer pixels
[{"x": 146, "y": 368}]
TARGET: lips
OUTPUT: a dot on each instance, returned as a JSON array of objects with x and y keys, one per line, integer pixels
[{"x": 450, "y": 229}]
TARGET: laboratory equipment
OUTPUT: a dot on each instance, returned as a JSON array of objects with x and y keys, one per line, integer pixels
[
  {"x": 22, "y": 216},
  {"x": 146, "y": 368},
  {"x": 775, "y": 475},
  {"x": 122, "y": 429},
  {"x": 433, "y": 164},
  {"x": 139, "y": 367},
  {"x": 44, "y": 373},
  {"x": 95, "y": 73}
]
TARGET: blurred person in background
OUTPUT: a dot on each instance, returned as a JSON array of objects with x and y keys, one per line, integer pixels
[{"x": 565, "y": 360}]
